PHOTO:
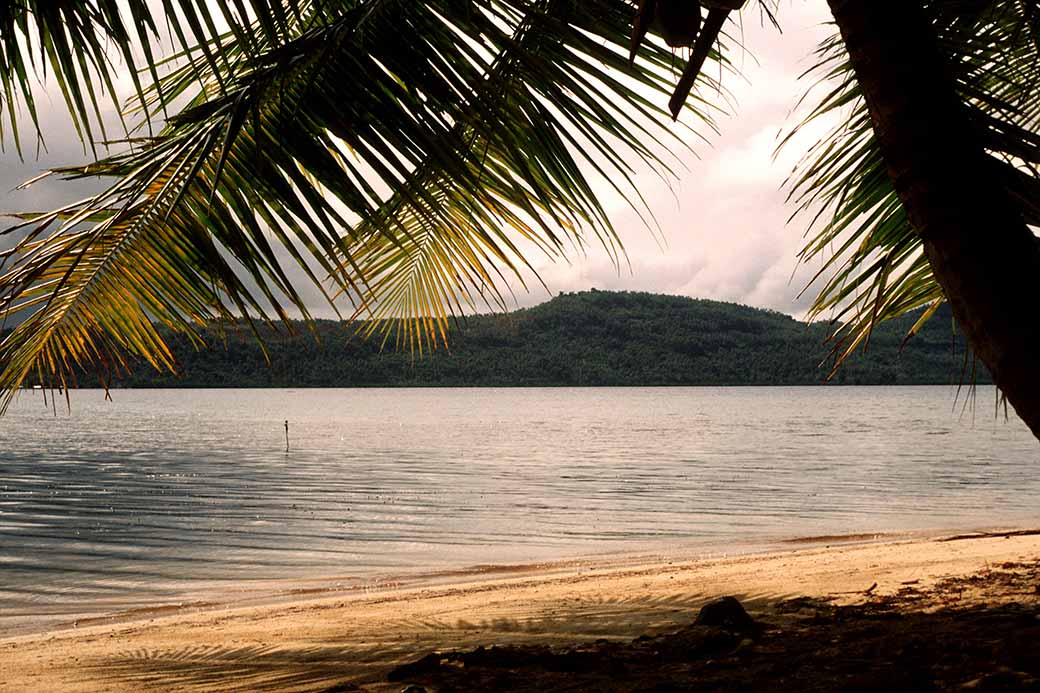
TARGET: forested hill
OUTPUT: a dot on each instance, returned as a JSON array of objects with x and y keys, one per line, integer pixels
[{"x": 588, "y": 338}]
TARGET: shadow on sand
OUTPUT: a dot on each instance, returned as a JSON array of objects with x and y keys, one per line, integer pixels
[
  {"x": 980, "y": 632},
  {"x": 364, "y": 659}
]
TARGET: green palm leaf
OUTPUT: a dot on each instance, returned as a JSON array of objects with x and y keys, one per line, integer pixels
[
  {"x": 398, "y": 152},
  {"x": 81, "y": 42},
  {"x": 872, "y": 265}
]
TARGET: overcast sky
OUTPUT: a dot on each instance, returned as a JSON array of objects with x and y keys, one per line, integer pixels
[{"x": 724, "y": 221}]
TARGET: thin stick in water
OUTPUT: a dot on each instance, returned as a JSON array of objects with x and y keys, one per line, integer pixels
[{"x": 287, "y": 435}]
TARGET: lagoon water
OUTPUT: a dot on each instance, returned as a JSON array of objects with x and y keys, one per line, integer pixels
[{"x": 164, "y": 496}]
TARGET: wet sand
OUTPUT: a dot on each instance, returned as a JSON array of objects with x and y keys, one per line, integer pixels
[{"x": 316, "y": 639}]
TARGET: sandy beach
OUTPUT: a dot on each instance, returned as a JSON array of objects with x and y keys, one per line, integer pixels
[{"x": 322, "y": 641}]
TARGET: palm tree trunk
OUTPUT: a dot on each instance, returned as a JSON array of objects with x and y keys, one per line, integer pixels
[{"x": 981, "y": 251}]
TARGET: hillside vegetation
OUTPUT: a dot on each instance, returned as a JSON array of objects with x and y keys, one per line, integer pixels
[{"x": 589, "y": 338}]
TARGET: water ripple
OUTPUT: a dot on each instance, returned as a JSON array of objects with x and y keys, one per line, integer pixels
[{"x": 162, "y": 493}]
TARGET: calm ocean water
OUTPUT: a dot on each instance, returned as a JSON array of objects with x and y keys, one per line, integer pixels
[{"x": 165, "y": 496}]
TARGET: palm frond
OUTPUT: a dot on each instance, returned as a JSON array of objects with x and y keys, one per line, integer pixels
[
  {"x": 399, "y": 152},
  {"x": 872, "y": 264},
  {"x": 80, "y": 44},
  {"x": 548, "y": 111}
]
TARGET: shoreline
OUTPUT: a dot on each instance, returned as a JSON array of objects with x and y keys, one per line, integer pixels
[
  {"x": 278, "y": 591},
  {"x": 314, "y": 640}
]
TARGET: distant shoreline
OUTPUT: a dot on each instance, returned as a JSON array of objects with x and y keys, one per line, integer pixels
[
  {"x": 506, "y": 387},
  {"x": 588, "y": 339}
]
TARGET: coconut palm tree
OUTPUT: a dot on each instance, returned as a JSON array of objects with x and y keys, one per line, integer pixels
[
  {"x": 409, "y": 155},
  {"x": 929, "y": 185}
]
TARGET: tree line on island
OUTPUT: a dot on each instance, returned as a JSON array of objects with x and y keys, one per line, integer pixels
[{"x": 593, "y": 338}]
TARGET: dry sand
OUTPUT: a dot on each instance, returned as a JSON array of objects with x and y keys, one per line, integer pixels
[{"x": 324, "y": 640}]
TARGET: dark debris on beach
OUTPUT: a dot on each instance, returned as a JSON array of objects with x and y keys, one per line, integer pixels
[{"x": 975, "y": 633}]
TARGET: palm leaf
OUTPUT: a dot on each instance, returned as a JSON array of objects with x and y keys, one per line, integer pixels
[
  {"x": 872, "y": 265},
  {"x": 398, "y": 152},
  {"x": 74, "y": 40}
]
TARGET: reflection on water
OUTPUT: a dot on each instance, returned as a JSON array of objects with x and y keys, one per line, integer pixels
[{"x": 162, "y": 494}]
